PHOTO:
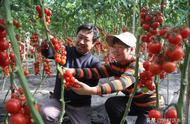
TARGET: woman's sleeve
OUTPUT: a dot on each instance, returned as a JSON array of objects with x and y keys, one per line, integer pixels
[
  {"x": 102, "y": 71},
  {"x": 124, "y": 81}
]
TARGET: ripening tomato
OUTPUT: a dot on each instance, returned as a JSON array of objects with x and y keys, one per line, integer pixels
[
  {"x": 154, "y": 114},
  {"x": 169, "y": 67},
  {"x": 17, "y": 118},
  {"x": 13, "y": 105}
]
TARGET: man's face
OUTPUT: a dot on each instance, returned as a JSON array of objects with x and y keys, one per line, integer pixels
[{"x": 84, "y": 41}]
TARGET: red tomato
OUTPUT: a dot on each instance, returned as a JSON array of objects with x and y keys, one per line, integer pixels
[
  {"x": 3, "y": 33},
  {"x": 155, "y": 114},
  {"x": 163, "y": 31},
  {"x": 171, "y": 113},
  {"x": 68, "y": 74},
  {"x": 149, "y": 84},
  {"x": 146, "y": 65},
  {"x": 169, "y": 67},
  {"x": 185, "y": 32},
  {"x": 4, "y": 44},
  {"x": 12, "y": 56},
  {"x": 155, "y": 68},
  {"x": 5, "y": 62},
  {"x": 58, "y": 59},
  {"x": 160, "y": 19},
  {"x": 154, "y": 48},
  {"x": 155, "y": 25},
  {"x": 26, "y": 73},
  {"x": 47, "y": 12},
  {"x": 13, "y": 105},
  {"x": 54, "y": 41},
  {"x": 168, "y": 54},
  {"x": 3, "y": 55},
  {"x": 38, "y": 8},
  {"x": 148, "y": 18},
  {"x": 17, "y": 118},
  {"x": 145, "y": 27},
  {"x": 72, "y": 80},
  {"x": 175, "y": 40},
  {"x": 177, "y": 54}
]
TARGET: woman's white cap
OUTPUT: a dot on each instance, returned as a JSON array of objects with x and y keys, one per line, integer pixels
[{"x": 127, "y": 38}]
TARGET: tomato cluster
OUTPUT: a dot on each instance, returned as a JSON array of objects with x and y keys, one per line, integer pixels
[
  {"x": 47, "y": 67},
  {"x": 48, "y": 14},
  {"x": 169, "y": 118},
  {"x": 164, "y": 46},
  {"x": 19, "y": 111},
  {"x": 70, "y": 80},
  {"x": 6, "y": 58},
  {"x": 60, "y": 54},
  {"x": 37, "y": 64}
]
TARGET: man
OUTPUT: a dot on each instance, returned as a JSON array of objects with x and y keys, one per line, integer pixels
[
  {"x": 123, "y": 46},
  {"x": 77, "y": 107}
]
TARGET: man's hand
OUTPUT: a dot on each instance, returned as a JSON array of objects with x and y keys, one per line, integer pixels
[{"x": 84, "y": 89}]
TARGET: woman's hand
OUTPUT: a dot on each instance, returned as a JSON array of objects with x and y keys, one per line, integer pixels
[{"x": 84, "y": 89}]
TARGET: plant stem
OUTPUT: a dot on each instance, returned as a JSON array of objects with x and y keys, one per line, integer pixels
[
  {"x": 62, "y": 95},
  {"x": 128, "y": 105},
  {"x": 157, "y": 80},
  {"x": 23, "y": 81},
  {"x": 183, "y": 84}
]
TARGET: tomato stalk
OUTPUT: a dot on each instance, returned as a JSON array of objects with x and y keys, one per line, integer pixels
[
  {"x": 128, "y": 105},
  {"x": 137, "y": 54},
  {"x": 62, "y": 95},
  {"x": 188, "y": 86},
  {"x": 23, "y": 81},
  {"x": 58, "y": 67},
  {"x": 157, "y": 81},
  {"x": 183, "y": 83}
]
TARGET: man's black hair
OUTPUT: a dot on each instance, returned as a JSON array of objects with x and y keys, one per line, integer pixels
[{"x": 91, "y": 28}]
